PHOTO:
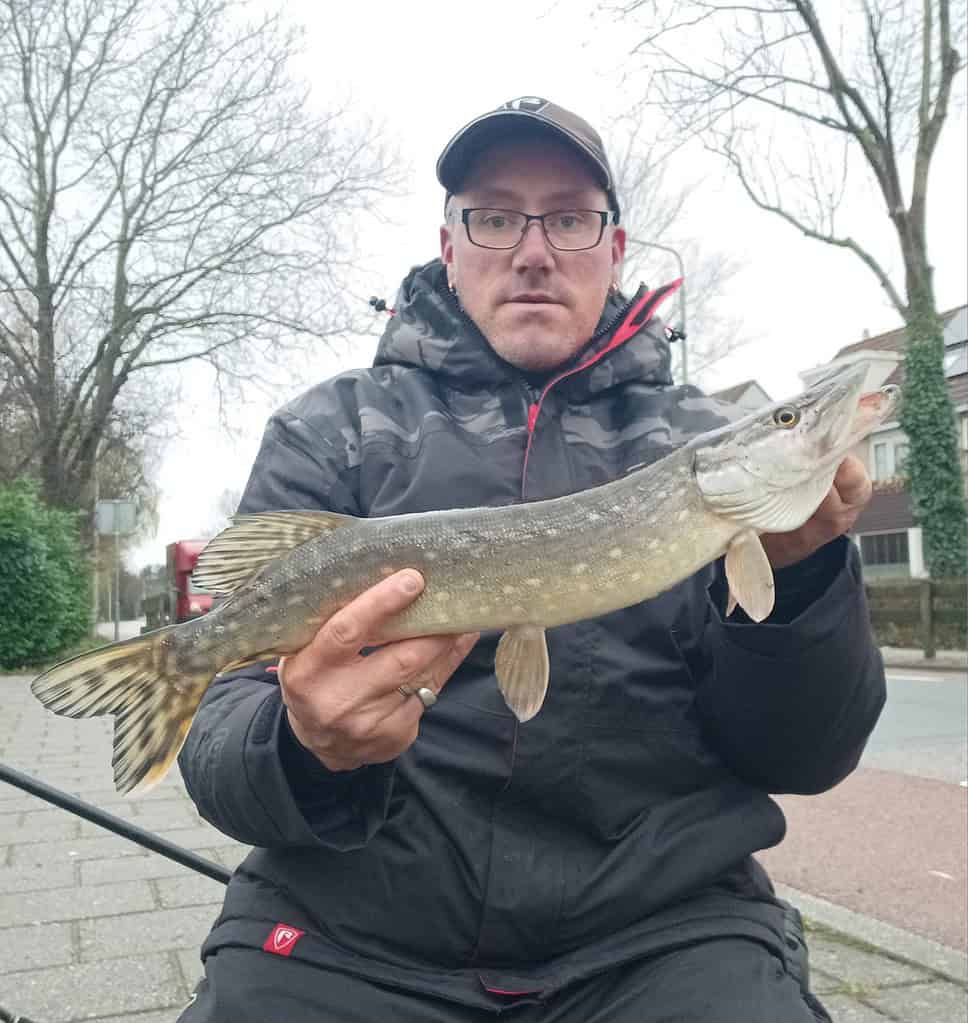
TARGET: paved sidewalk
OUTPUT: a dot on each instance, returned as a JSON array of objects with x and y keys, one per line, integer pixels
[
  {"x": 943, "y": 660},
  {"x": 92, "y": 927}
]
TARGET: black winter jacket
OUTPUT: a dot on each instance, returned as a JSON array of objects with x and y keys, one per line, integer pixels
[{"x": 619, "y": 822}]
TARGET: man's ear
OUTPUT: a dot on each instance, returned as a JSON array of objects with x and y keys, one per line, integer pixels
[
  {"x": 446, "y": 245},
  {"x": 618, "y": 251}
]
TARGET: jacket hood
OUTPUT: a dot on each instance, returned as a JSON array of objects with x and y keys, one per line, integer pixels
[{"x": 430, "y": 331}]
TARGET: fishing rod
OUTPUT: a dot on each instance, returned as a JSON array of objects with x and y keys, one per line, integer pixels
[{"x": 121, "y": 827}]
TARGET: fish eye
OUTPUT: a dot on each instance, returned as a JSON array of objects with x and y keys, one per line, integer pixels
[{"x": 786, "y": 417}]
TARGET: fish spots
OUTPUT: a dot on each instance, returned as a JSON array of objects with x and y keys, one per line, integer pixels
[
  {"x": 535, "y": 582},
  {"x": 684, "y": 514},
  {"x": 336, "y": 582},
  {"x": 594, "y": 517},
  {"x": 635, "y": 577},
  {"x": 519, "y": 610},
  {"x": 583, "y": 587},
  {"x": 430, "y": 555},
  {"x": 578, "y": 569},
  {"x": 386, "y": 570},
  {"x": 673, "y": 547},
  {"x": 653, "y": 544},
  {"x": 509, "y": 590},
  {"x": 442, "y": 595},
  {"x": 615, "y": 552},
  {"x": 552, "y": 532},
  {"x": 484, "y": 609},
  {"x": 294, "y": 601}
]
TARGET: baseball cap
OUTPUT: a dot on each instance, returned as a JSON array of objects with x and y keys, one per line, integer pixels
[{"x": 525, "y": 114}]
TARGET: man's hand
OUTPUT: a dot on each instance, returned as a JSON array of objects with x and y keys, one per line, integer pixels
[
  {"x": 346, "y": 708},
  {"x": 844, "y": 502}
]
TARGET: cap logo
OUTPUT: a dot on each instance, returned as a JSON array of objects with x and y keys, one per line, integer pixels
[{"x": 529, "y": 104}]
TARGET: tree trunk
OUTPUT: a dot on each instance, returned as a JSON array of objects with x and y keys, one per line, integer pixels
[{"x": 927, "y": 417}]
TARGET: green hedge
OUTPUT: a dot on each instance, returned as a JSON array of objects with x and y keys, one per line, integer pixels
[{"x": 45, "y": 579}]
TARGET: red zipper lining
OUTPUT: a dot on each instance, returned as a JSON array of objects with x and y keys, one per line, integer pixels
[{"x": 640, "y": 315}]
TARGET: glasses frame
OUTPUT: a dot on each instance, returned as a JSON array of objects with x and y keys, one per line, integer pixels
[{"x": 528, "y": 217}]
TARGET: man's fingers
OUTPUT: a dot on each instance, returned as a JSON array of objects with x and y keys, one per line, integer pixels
[
  {"x": 353, "y": 626},
  {"x": 425, "y": 661},
  {"x": 852, "y": 483}
]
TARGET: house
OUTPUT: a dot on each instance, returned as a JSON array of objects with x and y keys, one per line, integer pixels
[
  {"x": 889, "y": 540},
  {"x": 748, "y": 395}
]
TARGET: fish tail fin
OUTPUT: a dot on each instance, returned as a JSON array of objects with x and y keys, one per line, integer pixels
[{"x": 135, "y": 680}]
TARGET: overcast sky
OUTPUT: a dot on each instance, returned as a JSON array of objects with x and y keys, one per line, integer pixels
[{"x": 426, "y": 69}]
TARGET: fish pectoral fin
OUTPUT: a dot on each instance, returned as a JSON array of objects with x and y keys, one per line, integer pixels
[
  {"x": 252, "y": 541},
  {"x": 750, "y": 576},
  {"x": 522, "y": 669}
]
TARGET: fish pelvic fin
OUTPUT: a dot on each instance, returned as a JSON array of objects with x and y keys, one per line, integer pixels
[
  {"x": 521, "y": 665},
  {"x": 252, "y": 541},
  {"x": 135, "y": 681},
  {"x": 750, "y": 576}
]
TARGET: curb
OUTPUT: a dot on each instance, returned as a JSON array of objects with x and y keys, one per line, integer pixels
[{"x": 894, "y": 942}]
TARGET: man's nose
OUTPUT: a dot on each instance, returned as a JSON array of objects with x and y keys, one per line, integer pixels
[{"x": 533, "y": 249}]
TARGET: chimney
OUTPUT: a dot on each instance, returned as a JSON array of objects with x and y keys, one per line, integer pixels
[{"x": 866, "y": 336}]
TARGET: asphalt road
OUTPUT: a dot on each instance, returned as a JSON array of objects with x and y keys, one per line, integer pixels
[{"x": 892, "y": 840}]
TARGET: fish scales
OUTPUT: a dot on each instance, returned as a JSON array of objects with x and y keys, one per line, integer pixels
[{"x": 519, "y": 568}]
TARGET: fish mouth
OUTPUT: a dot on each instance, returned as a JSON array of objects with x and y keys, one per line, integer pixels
[{"x": 872, "y": 409}]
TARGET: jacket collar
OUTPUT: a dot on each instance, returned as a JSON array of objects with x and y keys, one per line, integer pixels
[{"x": 430, "y": 331}]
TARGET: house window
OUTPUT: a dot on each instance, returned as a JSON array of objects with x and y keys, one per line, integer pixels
[
  {"x": 880, "y": 462},
  {"x": 900, "y": 459},
  {"x": 956, "y": 359},
  {"x": 884, "y": 548}
]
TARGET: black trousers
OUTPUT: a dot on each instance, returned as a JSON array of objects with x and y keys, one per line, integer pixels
[{"x": 717, "y": 981}]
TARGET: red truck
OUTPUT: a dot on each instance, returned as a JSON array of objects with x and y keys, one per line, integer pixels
[{"x": 181, "y": 600}]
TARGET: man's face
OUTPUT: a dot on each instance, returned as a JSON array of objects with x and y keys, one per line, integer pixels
[{"x": 536, "y": 306}]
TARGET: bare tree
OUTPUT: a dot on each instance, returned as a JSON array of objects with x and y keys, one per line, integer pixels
[
  {"x": 661, "y": 245},
  {"x": 809, "y": 110},
  {"x": 168, "y": 195}
]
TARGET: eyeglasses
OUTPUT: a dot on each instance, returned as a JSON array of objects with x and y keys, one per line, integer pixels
[{"x": 565, "y": 230}]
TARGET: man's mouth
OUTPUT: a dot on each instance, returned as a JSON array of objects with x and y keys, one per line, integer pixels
[{"x": 533, "y": 298}]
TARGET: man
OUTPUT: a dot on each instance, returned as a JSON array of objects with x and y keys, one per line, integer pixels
[{"x": 422, "y": 860}]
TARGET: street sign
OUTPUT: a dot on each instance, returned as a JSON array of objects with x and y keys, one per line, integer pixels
[{"x": 113, "y": 517}]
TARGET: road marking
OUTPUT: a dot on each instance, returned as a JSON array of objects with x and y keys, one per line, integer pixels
[
  {"x": 941, "y": 873},
  {"x": 964, "y": 784}
]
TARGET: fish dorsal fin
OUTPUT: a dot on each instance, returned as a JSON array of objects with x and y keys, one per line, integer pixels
[
  {"x": 750, "y": 576},
  {"x": 252, "y": 541},
  {"x": 521, "y": 665}
]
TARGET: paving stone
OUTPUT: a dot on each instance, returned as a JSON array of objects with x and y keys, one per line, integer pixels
[
  {"x": 68, "y": 850},
  {"x": 190, "y": 963},
  {"x": 190, "y": 890},
  {"x": 34, "y": 878},
  {"x": 939, "y": 1002},
  {"x": 846, "y": 1010},
  {"x": 857, "y": 966},
  {"x": 145, "y": 932},
  {"x": 233, "y": 855},
  {"x": 822, "y": 983},
  {"x": 29, "y": 948},
  {"x": 167, "y": 815},
  {"x": 94, "y": 901},
  {"x": 42, "y": 825},
  {"x": 68, "y": 993},
  {"x": 203, "y": 836},
  {"x": 134, "y": 868},
  {"x": 166, "y": 1016}
]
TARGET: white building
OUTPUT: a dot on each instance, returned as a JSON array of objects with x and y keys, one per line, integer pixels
[{"x": 890, "y": 542}]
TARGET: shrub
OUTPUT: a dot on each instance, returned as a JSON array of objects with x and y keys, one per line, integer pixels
[{"x": 45, "y": 578}]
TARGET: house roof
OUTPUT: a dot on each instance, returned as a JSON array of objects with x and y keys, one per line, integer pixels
[
  {"x": 886, "y": 511},
  {"x": 736, "y": 391},
  {"x": 891, "y": 340}
]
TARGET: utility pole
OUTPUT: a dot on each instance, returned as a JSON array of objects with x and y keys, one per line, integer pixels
[{"x": 682, "y": 298}]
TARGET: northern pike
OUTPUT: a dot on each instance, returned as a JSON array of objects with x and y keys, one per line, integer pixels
[{"x": 519, "y": 568}]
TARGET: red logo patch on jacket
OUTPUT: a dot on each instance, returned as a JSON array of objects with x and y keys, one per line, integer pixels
[{"x": 282, "y": 939}]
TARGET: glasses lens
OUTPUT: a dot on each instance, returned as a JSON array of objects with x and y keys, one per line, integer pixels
[
  {"x": 495, "y": 229},
  {"x": 573, "y": 229}
]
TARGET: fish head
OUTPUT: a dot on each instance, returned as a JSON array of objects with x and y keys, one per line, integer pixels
[{"x": 771, "y": 470}]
